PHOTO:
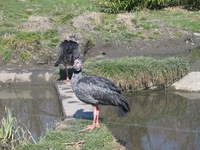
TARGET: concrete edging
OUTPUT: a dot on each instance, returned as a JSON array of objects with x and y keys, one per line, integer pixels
[
  {"x": 190, "y": 82},
  {"x": 72, "y": 107},
  {"x": 31, "y": 76}
]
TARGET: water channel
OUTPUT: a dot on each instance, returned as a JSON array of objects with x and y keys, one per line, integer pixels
[
  {"x": 35, "y": 107},
  {"x": 159, "y": 120}
]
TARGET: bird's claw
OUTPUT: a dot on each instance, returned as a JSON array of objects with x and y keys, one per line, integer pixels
[
  {"x": 89, "y": 127},
  {"x": 67, "y": 80}
]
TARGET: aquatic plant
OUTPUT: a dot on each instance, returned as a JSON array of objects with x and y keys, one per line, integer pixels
[{"x": 11, "y": 134}]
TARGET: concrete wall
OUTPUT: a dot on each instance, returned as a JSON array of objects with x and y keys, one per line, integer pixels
[{"x": 32, "y": 76}]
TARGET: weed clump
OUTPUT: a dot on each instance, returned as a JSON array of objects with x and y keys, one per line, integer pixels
[{"x": 11, "y": 134}]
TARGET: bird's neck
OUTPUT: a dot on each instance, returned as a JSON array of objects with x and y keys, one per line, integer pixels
[
  {"x": 76, "y": 72},
  {"x": 75, "y": 78}
]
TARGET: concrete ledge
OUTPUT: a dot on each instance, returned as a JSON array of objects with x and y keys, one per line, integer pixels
[
  {"x": 190, "y": 82},
  {"x": 32, "y": 76},
  {"x": 71, "y": 105},
  {"x": 189, "y": 95}
]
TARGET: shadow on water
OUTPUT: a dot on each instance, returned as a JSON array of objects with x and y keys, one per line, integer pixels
[
  {"x": 35, "y": 107},
  {"x": 159, "y": 120}
]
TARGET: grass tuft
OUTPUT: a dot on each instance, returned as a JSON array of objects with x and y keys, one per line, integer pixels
[
  {"x": 135, "y": 73},
  {"x": 71, "y": 139},
  {"x": 11, "y": 134}
]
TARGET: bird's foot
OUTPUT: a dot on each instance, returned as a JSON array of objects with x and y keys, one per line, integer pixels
[
  {"x": 90, "y": 127},
  {"x": 97, "y": 126},
  {"x": 67, "y": 80}
]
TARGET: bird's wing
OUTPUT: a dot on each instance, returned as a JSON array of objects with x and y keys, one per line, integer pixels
[
  {"x": 101, "y": 82},
  {"x": 97, "y": 91},
  {"x": 112, "y": 86}
]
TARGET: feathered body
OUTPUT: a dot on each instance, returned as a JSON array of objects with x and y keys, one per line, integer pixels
[
  {"x": 68, "y": 51},
  {"x": 96, "y": 90}
]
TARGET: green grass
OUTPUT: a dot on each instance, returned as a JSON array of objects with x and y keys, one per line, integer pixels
[
  {"x": 135, "y": 73},
  {"x": 23, "y": 44},
  {"x": 183, "y": 19},
  {"x": 147, "y": 25},
  {"x": 60, "y": 14},
  {"x": 17, "y": 11},
  {"x": 11, "y": 134},
  {"x": 193, "y": 56},
  {"x": 5, "y": 53},
  {"x": 68, "y": 138}
]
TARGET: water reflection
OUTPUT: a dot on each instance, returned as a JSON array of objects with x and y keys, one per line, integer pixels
[
  {"x": 159, "y": 120},
  {"x": 36, "y": 107}
]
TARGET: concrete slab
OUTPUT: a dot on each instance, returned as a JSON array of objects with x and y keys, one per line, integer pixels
[
  {"x": 190, "y": 82},
  {"x": 30, "y": 76},
  {"x": 71, "y": 105},
  {"x": 189, "y": 95}
]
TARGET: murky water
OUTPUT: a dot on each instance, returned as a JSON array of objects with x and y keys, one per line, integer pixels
[
  {"x": 159, "y": 120},
  {"x": 35, "y": 107}
]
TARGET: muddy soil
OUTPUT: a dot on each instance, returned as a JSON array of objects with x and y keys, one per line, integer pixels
[
  {"x": 159, "y": 48},
  {"x": 169, "y": 40}
]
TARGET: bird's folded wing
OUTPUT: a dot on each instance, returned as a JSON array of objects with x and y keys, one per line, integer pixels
[
  {"x": 97, "y": 92},
  {"x": 100, "y": 82}
]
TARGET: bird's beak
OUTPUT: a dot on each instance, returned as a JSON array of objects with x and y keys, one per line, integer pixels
[{"x": 75, "y": 64}]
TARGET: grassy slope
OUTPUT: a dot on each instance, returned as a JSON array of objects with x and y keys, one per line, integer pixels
[
  {"x": 60, "y": 13},
  {"x": 70, "y": 138},
  {"x": 21, "y": 45},
  {"x": 178, "y": 18}
]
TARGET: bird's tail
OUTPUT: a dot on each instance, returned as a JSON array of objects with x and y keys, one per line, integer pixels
[{"x": 122, "y": 107}]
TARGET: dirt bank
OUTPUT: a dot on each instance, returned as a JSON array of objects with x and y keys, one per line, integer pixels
[
  {"x": 161, "y": 40},
  {"x": 157, "y": 48}
]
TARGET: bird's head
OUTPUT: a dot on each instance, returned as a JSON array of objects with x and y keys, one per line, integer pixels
[
  {"x": 77, "y": 65},
  {"x": 73, "y": 38}
]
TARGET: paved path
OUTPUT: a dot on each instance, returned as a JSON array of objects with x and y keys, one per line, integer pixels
[{"x": 71, "y": 105}]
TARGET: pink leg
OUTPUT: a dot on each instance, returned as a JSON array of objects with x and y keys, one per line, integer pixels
[
  {"x": 95, "y": 123},
  {"x": 67, "y": 77}
]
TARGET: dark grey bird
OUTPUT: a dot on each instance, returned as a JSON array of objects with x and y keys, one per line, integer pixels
[
  {"x": 95, "y": 90},
  {"x": 68, "y": 51}
]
